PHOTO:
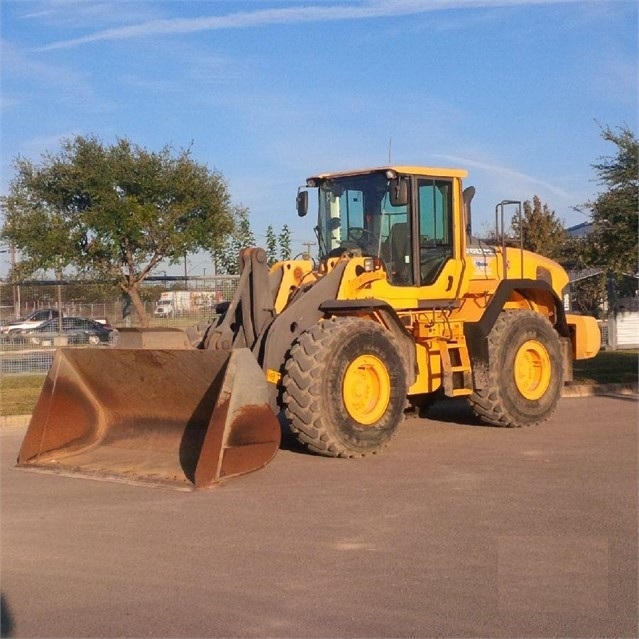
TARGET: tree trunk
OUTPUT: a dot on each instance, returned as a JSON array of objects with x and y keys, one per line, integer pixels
[{"x": 138, "y": 305}]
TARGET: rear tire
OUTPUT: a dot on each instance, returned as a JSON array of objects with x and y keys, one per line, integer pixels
[
  {"x": 525, "y": 371},
  {"x": 345, "y": 387}
]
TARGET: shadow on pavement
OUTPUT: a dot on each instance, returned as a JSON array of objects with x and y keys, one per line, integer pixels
[{"x": 6, "y": 619}]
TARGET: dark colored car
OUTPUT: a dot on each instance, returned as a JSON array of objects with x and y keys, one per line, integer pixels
[{"x": 76, "y": 330}]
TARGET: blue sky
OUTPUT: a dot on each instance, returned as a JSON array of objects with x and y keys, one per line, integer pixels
[{"x": 271, "y": 91}]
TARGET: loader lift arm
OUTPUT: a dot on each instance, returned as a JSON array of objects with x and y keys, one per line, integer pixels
[{"x": 250, "y": 310}]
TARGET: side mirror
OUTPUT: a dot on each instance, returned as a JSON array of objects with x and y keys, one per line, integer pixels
[
  {"x": 467, "y": 196},
  {"x": 301, "y": 202},
  {"x": 398, "y": 192}
]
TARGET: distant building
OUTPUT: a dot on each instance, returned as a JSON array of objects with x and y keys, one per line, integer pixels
[{"x": 580, "y": 230}]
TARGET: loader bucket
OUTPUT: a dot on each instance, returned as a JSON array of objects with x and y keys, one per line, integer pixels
[{"x": 178, "y": 418}]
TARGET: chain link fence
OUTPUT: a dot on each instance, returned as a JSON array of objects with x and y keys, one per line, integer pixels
[{"x": 168, "y": 301}]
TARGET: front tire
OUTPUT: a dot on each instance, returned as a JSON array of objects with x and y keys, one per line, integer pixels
[
  {"x": 345, "y": 387},
  {"x": 525, "y": 373}
]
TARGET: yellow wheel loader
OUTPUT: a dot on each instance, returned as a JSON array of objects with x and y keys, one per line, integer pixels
[{"x": 404, "y": 304}]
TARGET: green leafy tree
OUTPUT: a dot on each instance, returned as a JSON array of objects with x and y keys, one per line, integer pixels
[
  {"x": 278, "y": 247},
  {"x": 271, "y": 245},
  {"x": 113, "y": 213},
  {"x": 227, "y": 258},
  {"x": 542, "y": 231},
  {"x": 612, "y": 244},
  {"x": 603, "y": 259},
  {"x": 284, "y": 239},
  {"x": 588, "y": 293}
]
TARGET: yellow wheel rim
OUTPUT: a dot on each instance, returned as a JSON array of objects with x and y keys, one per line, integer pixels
[
  {"x": 366, "y": 389},
  {"x": 532, "y": 369}
]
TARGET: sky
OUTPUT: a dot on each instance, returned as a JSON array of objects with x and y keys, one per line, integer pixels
[{"x": 269, "y": 92}]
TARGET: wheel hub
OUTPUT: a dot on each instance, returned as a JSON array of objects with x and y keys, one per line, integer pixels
[
  {"x": 532, "y": 370},
  {"x": 366, "y": 389}
]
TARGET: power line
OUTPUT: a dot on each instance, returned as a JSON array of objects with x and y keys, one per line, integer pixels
[{"x": 308, "y": 246}]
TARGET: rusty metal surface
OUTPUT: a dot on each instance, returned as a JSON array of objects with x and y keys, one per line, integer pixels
[{"x": 181, "y": 418}]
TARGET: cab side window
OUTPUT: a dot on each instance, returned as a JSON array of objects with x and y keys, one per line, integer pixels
[
  {"x": 396, "y": 242},
  {"x": 435, "y": 202}
]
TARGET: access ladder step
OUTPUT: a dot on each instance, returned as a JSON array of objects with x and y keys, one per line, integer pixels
[{"x": 457, "y": 377}]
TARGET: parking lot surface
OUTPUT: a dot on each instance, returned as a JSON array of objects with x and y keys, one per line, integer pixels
[{"x": 456, "y": 530}]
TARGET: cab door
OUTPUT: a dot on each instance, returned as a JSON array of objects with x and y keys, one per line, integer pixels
[{"x": 434, "y": 242}]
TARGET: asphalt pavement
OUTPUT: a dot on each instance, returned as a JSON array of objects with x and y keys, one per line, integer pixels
[{"x": 456, "y": 530}]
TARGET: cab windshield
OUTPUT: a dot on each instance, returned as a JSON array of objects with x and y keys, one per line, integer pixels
[{"x": 355, "y": 213}]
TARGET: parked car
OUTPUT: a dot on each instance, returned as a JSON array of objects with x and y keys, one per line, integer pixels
[
  {"x": 76, "y": 330},
  {"x": 31, "y": 321}
]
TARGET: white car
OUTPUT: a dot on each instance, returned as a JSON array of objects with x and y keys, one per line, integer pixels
[
  {"x": 164, "y": 308},
  {"x": 32, "y": 321}
]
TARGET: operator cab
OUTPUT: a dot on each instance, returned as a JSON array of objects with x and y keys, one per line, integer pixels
[{"x": 404, "y": 219}]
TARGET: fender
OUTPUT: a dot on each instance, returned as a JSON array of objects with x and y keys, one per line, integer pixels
[
  {"x": 391, "y": 320},
  {"x": 477, "y": 332}
]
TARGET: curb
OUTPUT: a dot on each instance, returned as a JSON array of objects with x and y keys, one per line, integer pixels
[
  {"x": 8, "y": 421},
  {"x": 571, "y": 390},
  {"x": 587, "y": 390}
]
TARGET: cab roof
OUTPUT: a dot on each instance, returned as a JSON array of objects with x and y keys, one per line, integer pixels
[{"x": 427, "y": 171}]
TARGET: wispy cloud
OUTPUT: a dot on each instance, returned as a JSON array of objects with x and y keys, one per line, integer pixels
[
  {"x": 289, "y": 15},
  {"x": 35, "y": 75},
  {"x": 78, "y": 14},
  {"x": 504, "y": 172},
  {"x": 17, "y": 63}
]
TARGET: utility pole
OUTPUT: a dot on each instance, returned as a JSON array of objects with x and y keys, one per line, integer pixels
[
  {"x": 16, "y": 287},
  {"x": 308, "y": 247}
]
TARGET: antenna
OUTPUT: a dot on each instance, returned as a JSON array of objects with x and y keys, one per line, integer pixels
[{"x": 390, "y": 144}]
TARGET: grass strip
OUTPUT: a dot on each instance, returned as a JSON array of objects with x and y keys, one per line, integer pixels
[
  {"x": 608, "y": 367},
  {"x": 19, "y": 393}
]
